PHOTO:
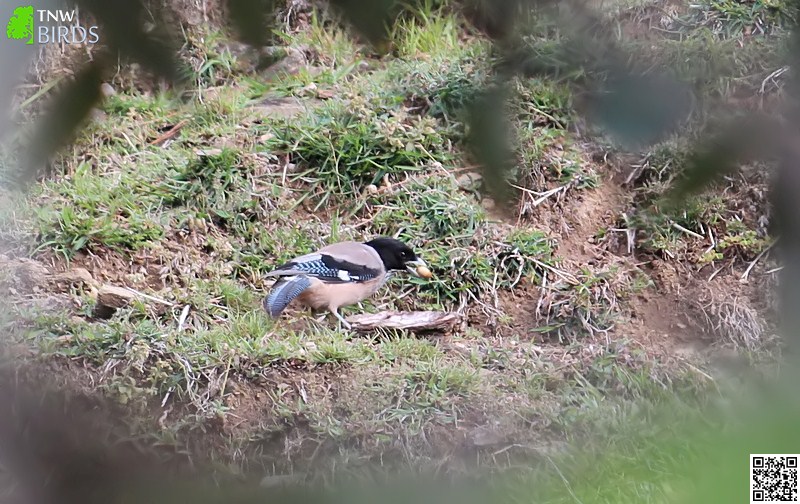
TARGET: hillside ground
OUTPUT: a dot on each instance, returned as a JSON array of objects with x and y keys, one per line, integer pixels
[{"x": 580, "y": 314}]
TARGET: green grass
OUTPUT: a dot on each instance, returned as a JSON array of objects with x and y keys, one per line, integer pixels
[
  {"x": 738, "y": 234},
  {"x": 102, "y": 213},
  {"x": 346, "y": 147},
  {"x": 730, "y": 19}
]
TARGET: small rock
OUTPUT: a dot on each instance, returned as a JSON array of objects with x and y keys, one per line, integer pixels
[
  {"x": 488, "y": 203},
  {"x": 469, "y": 180},
  {"x": 97, "y": 115},
  {"x": 363, "y": 67},
  {"x": 75, "y": 276},
  {"x": 31, "y": 272},
  {"x": 278, "y": 60},
  {"x": 372, "y": 189},
  {"x": 114, "y": 297},
  {"x": 484, "y": 436},
  {"x": 237, "y": 49},
  {"x": 107, "y": 89},
  {"x": 325, "y": 94},
  {"x": 308, "y": 90}
]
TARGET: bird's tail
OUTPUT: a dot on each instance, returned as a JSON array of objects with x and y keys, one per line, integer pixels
[{"x": 283, "y": 292}]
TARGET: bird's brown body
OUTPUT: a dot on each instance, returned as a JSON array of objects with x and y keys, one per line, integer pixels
[
  {"x": 339, "y": 274},
  {"x": 323, "y": 295},
  {"x": 331, "y": 297}
]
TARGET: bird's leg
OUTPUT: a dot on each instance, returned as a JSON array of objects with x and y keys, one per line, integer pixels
[
  {"x": 318, "y": 315},
  {"x": 336, "y": 314}
]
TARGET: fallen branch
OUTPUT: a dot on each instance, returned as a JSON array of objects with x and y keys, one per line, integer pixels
[
  {"x": 411, "y": 321},
  {"x": 170, "y": 133}
]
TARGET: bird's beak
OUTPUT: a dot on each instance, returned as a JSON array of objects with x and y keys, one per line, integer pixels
[{"x": 419, "y": 268}]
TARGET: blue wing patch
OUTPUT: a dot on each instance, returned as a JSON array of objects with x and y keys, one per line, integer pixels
[{"x": 330, "y": 269}]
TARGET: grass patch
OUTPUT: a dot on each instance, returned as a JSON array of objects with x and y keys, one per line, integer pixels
[
  {"x": 729, "y": 19},
  {"x": 91, "y": 211},
  {"x": 584, "y": 307},
  {"x": 725, "y": 226},
  {"x": 345, "y": 147},
  {"x": 468, "y": 258}
]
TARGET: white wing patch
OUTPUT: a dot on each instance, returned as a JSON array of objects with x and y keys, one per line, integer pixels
[{"x": 343, "y": 275}]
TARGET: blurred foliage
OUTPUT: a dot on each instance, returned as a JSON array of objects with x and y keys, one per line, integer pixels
[
  {"x": 489, "y": 139},
  {"x": 67, "y": 113},
  {"x": 124, "y": 32},
  {"x": 252, "y": 19},
  {"x": 620, "y": 92},
  {"x": 64, "y": 447}
]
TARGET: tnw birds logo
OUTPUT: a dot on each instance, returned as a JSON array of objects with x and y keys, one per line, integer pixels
[
  {"x": 20, "y": 25},
  {"x": 41, "y": 26}
]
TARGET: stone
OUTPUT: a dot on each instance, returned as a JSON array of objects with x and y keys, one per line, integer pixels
[
  {"x": 74, "y": 277},
  {"x": 107, "y": 89},
  {"x": 30, "y": 272},
  {"x": 112, "y": 296},
  {"x": 470, "y": 180},
  {"x": 482, "y": 437}
]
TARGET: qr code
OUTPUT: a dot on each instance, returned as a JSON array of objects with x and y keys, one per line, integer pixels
[{"x": 773, "y": 478}]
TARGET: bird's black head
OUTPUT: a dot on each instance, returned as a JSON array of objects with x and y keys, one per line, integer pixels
[{"x": 395, "y": 254}]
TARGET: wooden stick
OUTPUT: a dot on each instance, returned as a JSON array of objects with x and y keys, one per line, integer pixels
[
  {"x": 412, "y": 321},
  {"x": 170, "y": 132}
]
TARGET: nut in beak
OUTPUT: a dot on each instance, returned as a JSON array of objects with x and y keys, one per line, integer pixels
[{"x": 419, "y": 268}]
